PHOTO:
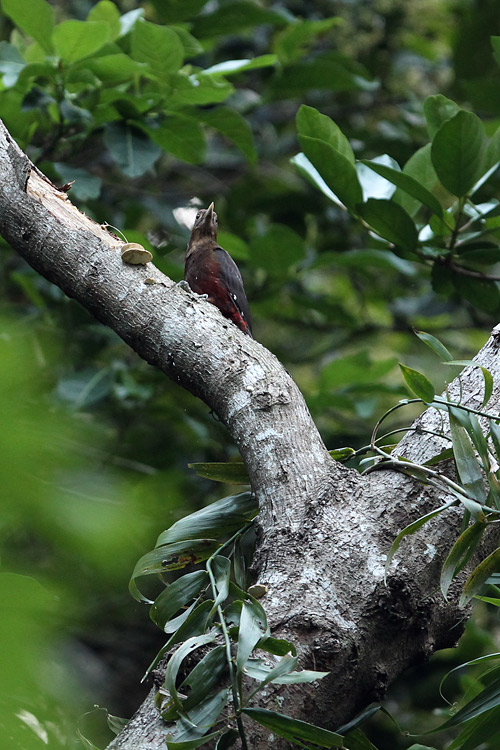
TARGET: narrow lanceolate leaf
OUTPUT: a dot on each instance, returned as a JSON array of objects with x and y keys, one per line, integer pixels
[
  {"x": 285, "y": 665},
  {"x": 411, "y": 529},
  {"x": 312, "y": 123},
  {"x": 418, "y": 383},
  {"x": 253, "y": 627},
  {"x": 336, "y": 170},
  {"x": 468, "y": 467},
  {"x": 295, "y": 730},
  {"x": 460, "y": 553},
  {"x": 487, "y": 699},
  {"x": 177, "y": 595},
  {"x": 342, "y": 454},
  {"x": 457, "y": 152},
  {"x": 408, "y": 184},
  {"x": 435, "y": 344},
  {"x": 176, "y": 659},
  {"x": 233, "y": 472},
  {"x": 193, "y": 732},
  {"x": 389, "y": 220},
  {"x": 479, "y": 576}
]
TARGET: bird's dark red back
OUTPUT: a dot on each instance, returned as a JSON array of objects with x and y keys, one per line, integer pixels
[{"x": 210, "y": 270}]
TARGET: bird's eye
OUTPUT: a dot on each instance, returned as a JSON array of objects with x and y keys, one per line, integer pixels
[
  {"x": 216, "y": 221},
  {"x": 198, "y": 214}
]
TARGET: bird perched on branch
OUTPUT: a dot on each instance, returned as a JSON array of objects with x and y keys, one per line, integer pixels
[{"x": 210, "y": 270}]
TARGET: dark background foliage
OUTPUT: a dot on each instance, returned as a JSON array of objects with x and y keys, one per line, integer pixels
[{"x": 95, "y": 443}]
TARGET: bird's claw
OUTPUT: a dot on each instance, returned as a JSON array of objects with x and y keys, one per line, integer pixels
[{"x": 184, "y": 285}]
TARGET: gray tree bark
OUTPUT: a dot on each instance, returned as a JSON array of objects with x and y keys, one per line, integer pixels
[{"x": 324, "y": 529}]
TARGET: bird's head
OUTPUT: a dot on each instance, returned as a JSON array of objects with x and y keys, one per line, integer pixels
[{"x": 205, "y": 224}]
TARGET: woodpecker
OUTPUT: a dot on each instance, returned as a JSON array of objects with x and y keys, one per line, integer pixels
[{"x": 210, "y": 270}]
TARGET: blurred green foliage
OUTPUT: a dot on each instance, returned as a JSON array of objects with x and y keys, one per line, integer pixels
[{"x": 155, "y": 109}]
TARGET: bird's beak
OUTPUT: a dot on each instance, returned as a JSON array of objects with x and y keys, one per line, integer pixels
[{"x": 210, "y": 210}]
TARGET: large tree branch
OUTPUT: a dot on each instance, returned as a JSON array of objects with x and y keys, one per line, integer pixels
[{"x": 325, "y": 530}]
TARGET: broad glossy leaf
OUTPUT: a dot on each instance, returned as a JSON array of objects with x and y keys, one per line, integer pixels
[
  {"x": 131, "y": 149},
  {"x": 294, "y": 41},
  {"x": 222, "y": 517},
  {"x": 106, "y": 12},
  {"x": 312, "y": 123},
  {"x": 177, "y": 595},
  {"x": 418, "y": 383},
  {"x": 309, "y": 171},
  {"x": 230, "y": 67},
  {"x": 481, "y": 293},
  {"x": 438, "y": 109},
  {"x": 419, "y": 166},
  {"x": 373, "y": 184},
  {"x": 479, "y": 576},
  {"x": 335, "y": 168},
  {"x": 435, "y": 344},
  {"x": 407, "y": 183},
  {"x": 277, "y": 646},
  {"x": 189, "y": 90},
  {"x": 460, "y": 554},
  {"x": 278, "y": 248},
  {"x": 34, "y": 17},
  {"x": 457, "y": 152},
  {"x": 181, "y": 136},
  {"x": 158, "y": 46},
  {"x": 293, "y": 729},
  {"x": 389, "y": 220},
  {"x": 233, "y": 472},
  {"x": 74, "y": 40},
  {"x": 233, "y": 126}
]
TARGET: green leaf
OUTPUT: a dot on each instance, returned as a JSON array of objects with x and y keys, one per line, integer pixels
[
  {"x": 233, "y": 472},
  {"x": 407, "y": 183},
  {"x": 487, "y": 376},
  {"x": 419, "y": 166},
  {"x": 252, "y": 628},
  {"x": 171, "y": 557},
  {"x": 233, "y": 126},
  {"x": 191, "y": 733},
  {"x": 468, "y": 467},
  {"x": 205, "y": 676},
  {"x": 309, "y": 171},
  {"x": 457, "y": 152},
  {"x": 278, "y": 248},
  {"x": 176, "y": 659},
  {"x": 106, "y": 11},
  {"x": 390, "y": 221},
  {"x": 412, "y": 528},
  {"x": 336, "y": 170},
  {"x": 460, "y": 554},
  {"x": 227, "y": 740},
  {"x": 435, "y": 344},
  {"x": 257, "y": 670},
  {"x": 438, "y": 109},
  {"x": 221, "y": 518},
  {"x": 131, "y": 149},
  {"x": 158, "y": 46},
  {"x": 176, "y": 596},
  {"x": 313, "y": 124},
  {"x": 197, "y": 89},
  {"x": 293, "y": 729},
  {"x": 181, "y": 136},
  {"x": 34, "y": 17},
  {"x": 293, "y": 42},
  {"x": 479, "y": 576},
  {"x": 221, "y": 567},
  {"x": 418, "y": 383},
  {"x": 234, "y": 17},
  {"x": 285, "y": 665},
  {"x": 481, "y": 293},
  {"x": 482, "y": 729},
  {"x": 342, "y": 454},
  {"x": 277, "y": 646},
  {"x": 74, "y": 40},
  {"x": 230, "y": 67},
  {"x": 119, "y": 67}
]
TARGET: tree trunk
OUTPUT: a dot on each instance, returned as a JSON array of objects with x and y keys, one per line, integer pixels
[{"x": 324, "y": 529}]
